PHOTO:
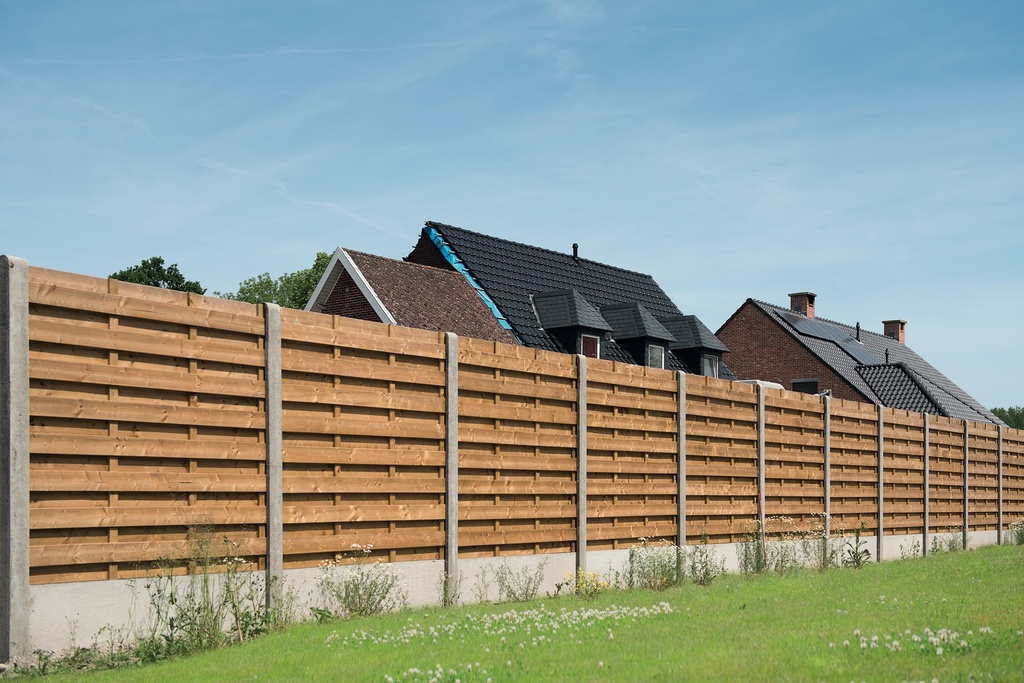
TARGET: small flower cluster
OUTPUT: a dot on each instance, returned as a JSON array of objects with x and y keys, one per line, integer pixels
[
  {"x": 586, "y": 584},
  {"x": 514, "y": 629},
  {"x": 943, "y": 641},
  {"x": 439, "y": 674}
]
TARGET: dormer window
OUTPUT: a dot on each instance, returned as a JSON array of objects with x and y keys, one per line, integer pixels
[
  {"x": 656, "y": 356},
  {"x": 709, "y": 365},
  {"x": 590, "y": 345}
]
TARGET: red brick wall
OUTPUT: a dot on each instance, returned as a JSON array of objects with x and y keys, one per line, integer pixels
[
  {"x": 347, "y": 300},
  {"x": 760, "y": 349},
  {"x": 426, "y": 253}
]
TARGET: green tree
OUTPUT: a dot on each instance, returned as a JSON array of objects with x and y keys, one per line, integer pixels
[
  {"x": 1013, "y": 417},
  {"x": 154, "y": 273},
  {"x": 290, "y": 290}
]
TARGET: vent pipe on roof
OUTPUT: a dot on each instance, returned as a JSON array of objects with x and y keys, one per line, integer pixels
[
  {"x": 858, "y": 330},
  {"x": 575, "y": 251}
]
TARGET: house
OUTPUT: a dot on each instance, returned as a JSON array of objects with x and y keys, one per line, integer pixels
[
  {"x": 802, "y": 352},
  {"x": 562, "y": 302},
  {"x": 379, "y": 289}
]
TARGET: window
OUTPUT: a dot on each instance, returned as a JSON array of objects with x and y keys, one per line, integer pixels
[
  {"x": 806, "y": 386},
  {"x": 656, "y": 356},
  {"x": 590, "y": 346},
  {"x": 709, "y": 366}
]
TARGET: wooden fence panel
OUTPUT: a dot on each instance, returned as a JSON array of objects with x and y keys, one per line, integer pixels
[
  {"x": 363, "y": 440},
  {"x": 146, "y": 429},
  {"x": 721, "y": 460},
  {"x": 946, "y": 475},
  {"x": 632, "y": 461},
  {"x": 517, "y": 450},
  {"x": 903, "y": 492},
  {"x": 1013, "y": 476},
  {"x": 854, "y": 465},
  {"x": 983, "y": 486},
  {"x": 794, "y": 462}
]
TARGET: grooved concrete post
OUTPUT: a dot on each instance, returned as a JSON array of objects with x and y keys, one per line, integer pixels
[
  {"x": 761, "y": 516},
  {"x": 927, "y": 491},
  {"x": 14, "y": 459},
  {"x": 967, "y": 478},
  {"x": 681, "y": 455},
  {"x": 451, "y": 463},
  {"x": 881, "y": 482},
  {"x": 827, "y": 400},
  {"x": 275, "y": 454},
  {"x": 999, "y": 495},
  {"x": 581, "y": 462}
]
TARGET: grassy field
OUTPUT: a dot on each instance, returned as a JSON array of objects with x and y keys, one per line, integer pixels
[{"x": 948, "y": 617}]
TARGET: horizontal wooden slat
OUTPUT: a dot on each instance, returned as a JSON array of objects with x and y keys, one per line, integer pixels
[
  {"x": 114, "y": 517},
  {"x": 350, "y": 396},
  {"x": 301, "y": 422},
  {"x": 125, "y": 481},
  {"x": 293, "y": 360},
  {"x": 150, "y": 343},
  {"x": 128, "y": 306},
  {"x": 56, "y": 369},
  {"x": 124, "y": 410},
  {"x": 401, "y": 343},
  {"x": 347, "y": 455},
  {"x": 350, "y": 483},
  {"x": 145, "y": 447},
  {"x": 128, "y": 551}
]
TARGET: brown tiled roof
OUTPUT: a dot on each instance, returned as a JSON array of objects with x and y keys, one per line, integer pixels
[{"x": 429, "y": 298}]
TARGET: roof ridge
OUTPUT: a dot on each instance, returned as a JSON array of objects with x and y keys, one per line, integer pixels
[
  {"x": 401, "y": 261},
  {"x": 435, "y": 224},
  {"x": 824, "y": 320}
]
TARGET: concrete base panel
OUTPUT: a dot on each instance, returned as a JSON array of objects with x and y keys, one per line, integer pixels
[{"x": 100, "y": 612}]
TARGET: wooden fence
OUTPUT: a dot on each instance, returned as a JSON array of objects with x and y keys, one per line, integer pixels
[{"x": 287, "y": 439}]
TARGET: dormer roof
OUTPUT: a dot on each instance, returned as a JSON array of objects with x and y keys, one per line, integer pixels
[
  {"x": 691, "y": 333},
  {"x": 567, "y": 308},
  {"x": 632, "y": 320}
]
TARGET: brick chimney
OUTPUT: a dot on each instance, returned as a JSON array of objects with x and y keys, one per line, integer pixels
[
  {"x": 802, "y": 302},
  {"x": 896, "y": 329}
]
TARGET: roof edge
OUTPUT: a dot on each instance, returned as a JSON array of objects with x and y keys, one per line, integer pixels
[{"x": 340, "y": 263}]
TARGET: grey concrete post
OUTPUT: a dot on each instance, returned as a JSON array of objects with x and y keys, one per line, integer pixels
[
  {"x": 14, "y": 459},
  {"x": 451, "y": 464},
  {"x": 681, "y": 456},
  {"x": 275, "y": 454},
  {"x": 967, "y": 479},
  {"x": 881, "y": 482},
  {"x": 827, "y": 401},
  {"x": 999, "y": 495},
  {"x": 581, "y": 462},
  {"x": 761, "y": 515},
  {"x": 927, "y": 487}
]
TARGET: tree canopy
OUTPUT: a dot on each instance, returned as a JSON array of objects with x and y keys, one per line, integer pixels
[
  {"x": 1014, "y": 417},
  {"x": 290, "y": 290},
  {"x": 152, "y": 272}
]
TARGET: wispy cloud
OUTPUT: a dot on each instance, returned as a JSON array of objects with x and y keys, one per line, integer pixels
[{"x": 261, "y": 54}]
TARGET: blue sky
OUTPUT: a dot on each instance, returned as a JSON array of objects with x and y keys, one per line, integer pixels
[{"x": 871, "y": 152}]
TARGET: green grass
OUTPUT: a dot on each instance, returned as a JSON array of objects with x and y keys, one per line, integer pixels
[{"x": 763, "y": 628}]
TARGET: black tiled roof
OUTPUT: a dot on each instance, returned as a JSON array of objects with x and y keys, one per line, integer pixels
[
  {"x": 633, "y": 321},
  {"x": 510, "y": 272},
  {"x": 513, "y": 275},
  {"x": 899, "y": 379},
  {"x": 691, "y": 333},
  {"x": 566, "y": 308}
]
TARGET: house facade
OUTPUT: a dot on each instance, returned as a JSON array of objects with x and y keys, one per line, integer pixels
[
  {"x": 802, "y": 352},
  {"x": 562, "y": 302},
  {"x": 378, "y": 289}
]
